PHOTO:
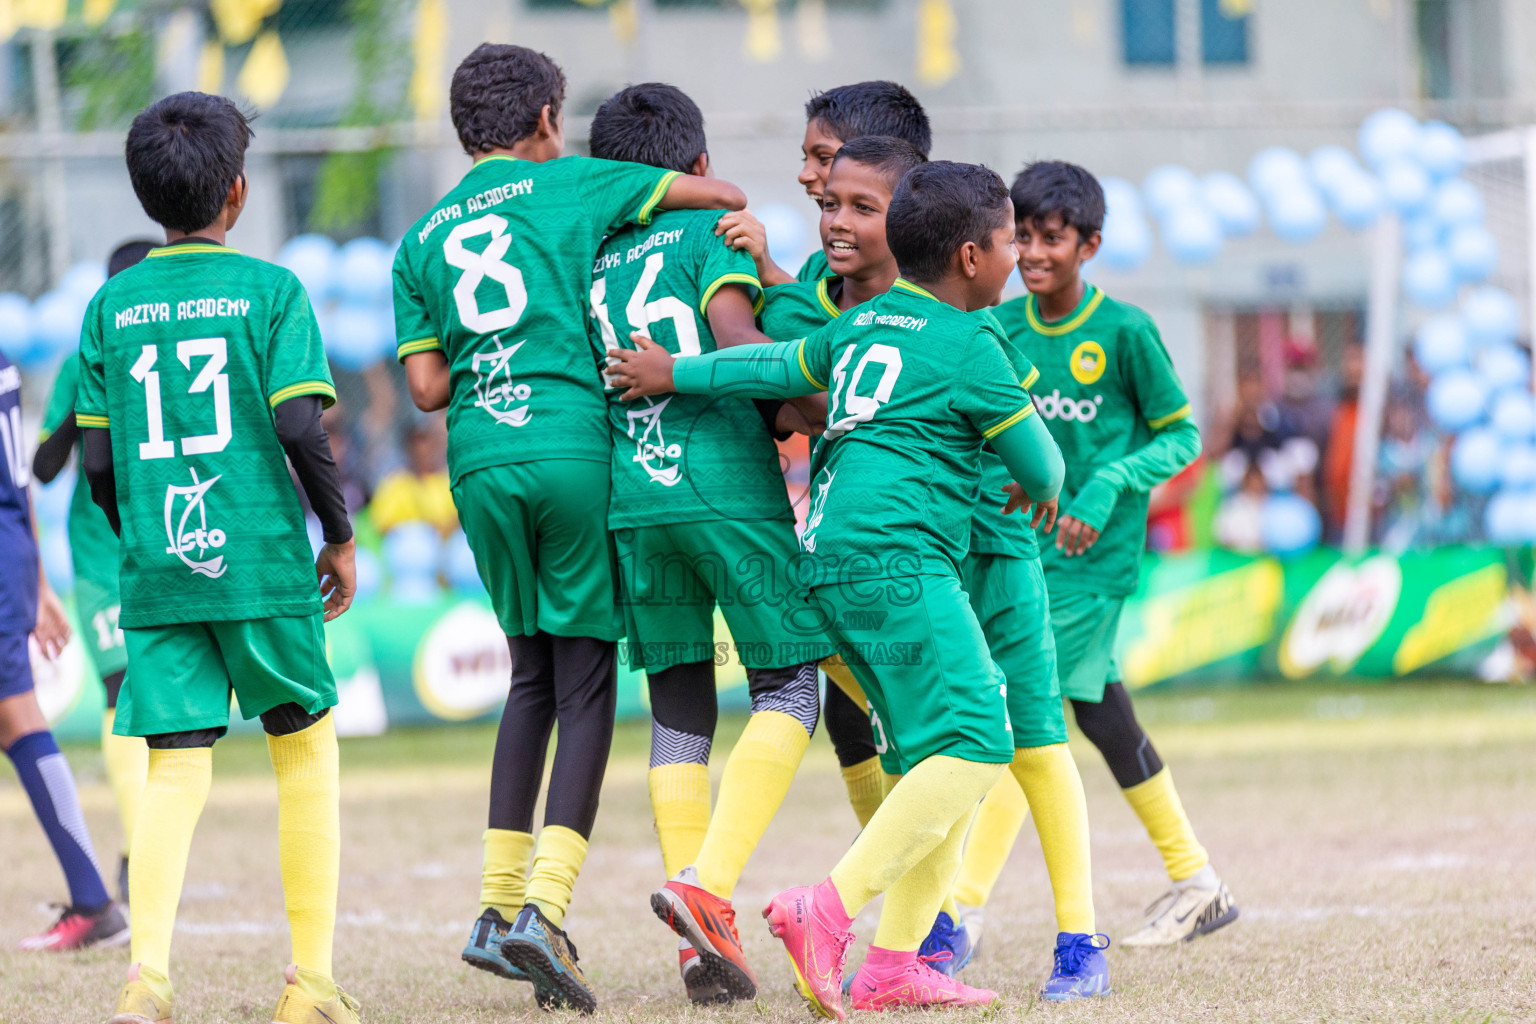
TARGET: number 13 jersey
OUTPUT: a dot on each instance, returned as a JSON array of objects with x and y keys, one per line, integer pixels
[
  {"x": 183, "y": 357},
  {"x": 496, "y": 275}
]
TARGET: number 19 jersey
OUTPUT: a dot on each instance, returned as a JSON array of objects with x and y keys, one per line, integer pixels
[
  {"x": 183, "y": 357},
  {"x": 496, "y": 276}
]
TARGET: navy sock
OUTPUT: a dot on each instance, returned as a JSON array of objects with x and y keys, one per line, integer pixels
[{"x": 51, "y": 787}]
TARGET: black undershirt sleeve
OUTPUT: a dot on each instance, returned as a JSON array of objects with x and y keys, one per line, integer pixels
[
  {"x": 53, "y": 453},
  {"x": 308, "y": 447},
  {"x": 96, "y": 461},
  {"x": 768, "y": 409}
]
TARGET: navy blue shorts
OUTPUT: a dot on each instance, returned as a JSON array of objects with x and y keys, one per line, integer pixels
[{"x": 15, "y": 665}]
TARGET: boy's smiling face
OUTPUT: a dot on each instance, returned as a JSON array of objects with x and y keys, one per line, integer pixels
[
  {"x": 853, "y": 208},
  {"x": 1051, "y": 252},
  {"x": 819, "y": 148}
]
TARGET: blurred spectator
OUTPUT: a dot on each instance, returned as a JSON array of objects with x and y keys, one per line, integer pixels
[
  {"x": 1169, "y": 527},
  {"x": 420, "y": 490},
  {"x": 1260, "y": 438},
  {"x": 1240, "y": 519},
  {"x": 1339, "y": 452}
]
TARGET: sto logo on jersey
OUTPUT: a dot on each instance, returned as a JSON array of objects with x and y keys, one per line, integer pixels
[
  {"x": 1088, "y": 362},
  {"x": 495, "y": 391},
  {"x": 1055, "y": 406},
  {"x": 659, "y": 459},
  {"x": 184, "y": 534}
]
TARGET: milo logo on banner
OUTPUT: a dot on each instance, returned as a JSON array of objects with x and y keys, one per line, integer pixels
[
  {"x": 1343, "y": 614},
  {"x": 463, "y": 668}
]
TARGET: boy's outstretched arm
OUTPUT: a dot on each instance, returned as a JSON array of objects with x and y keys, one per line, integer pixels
[
  {"x": 733, "y": 323},
  {"x": 692, "y": 192},
  {"x": 1032, "y": 459},
  {"x": 1171, "y": 449},
  {"x": 773, "y": 370}
]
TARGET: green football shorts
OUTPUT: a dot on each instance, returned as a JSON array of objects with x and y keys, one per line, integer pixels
[
  {"x": 96, "y": 603},
  {"x": 1085, "y": 624},
  {"x": 539, "y": 531},
  {"x": 183, "y": 674},
  {"x": 914, "y": 645},
  {"x": 674, "y": 574},
  {"x": 1009, "y": 599}
]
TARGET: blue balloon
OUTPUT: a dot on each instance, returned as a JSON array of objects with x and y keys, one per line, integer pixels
[
  {"x": 84, "y": 280},
  {"x": 1387, "y": 135},
  {"x": 1429, "y": 280},
  {"x": 1235, "y": 207},
  {"x": 790, "y": 235},
  {"x": 1192, "y": 234},
  {"x": 1422, "y": 232},
  {"x": 1127, "y": 240},
  {"x": 411, "y": 550},
  {"x": 1441, "y": 343},
  {"x": 1503, "y": 366},
  {"x": 1406, "y": 185},
  {"x": 353, "y": 341},
  {"x": 1491, "y": 315},
  {"x": 1330, "y": 165},
  {"x": 1168, "y": 187},
  {"x": 1442, "y": 151},
  {"x": 1474, "y": 252},
  {"x": 459, "y": 565},
  {"x": 1457, "y": 202},
  {"x": 1275, "y": 169},
  {"x": 1506, "y": 518},
  {"x": 1356, "y": 200},
  {"x": 56, "y": 321},
  {"x": 1517, "y": 468},
  {"x": 364, "y": 270},
  {"x": 414, "y": 589},
  {"x": 53, "y": 548},
  {"x": 312, "y": 260},
  {"x": 1456, "y": 399},
  {"x": 1120, "y": 196},
  {"x": 15, "y": 326},
  {"x": 370, "y": 574},
  {"x": 51, "y": 502},
  {"x": 1296, "y": 213},
  {"x": 1289, "y": 524},
  {"x": 1514, "y": 415},
  {"x": 1476, "y": 459}
]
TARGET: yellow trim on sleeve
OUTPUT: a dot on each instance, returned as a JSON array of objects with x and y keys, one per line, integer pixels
[
  {"x": 1017, "y": 417},
  {"x": 415, "y": 345},
  {"x": 1034, "y": 375},
  {"x": 1161, "y": 421},
  {"x": 326, "y": 392},
  {"x": 649, "y": 206},
  {"x": 85, "y": 419},
  {"x": 825, "y": 300},
  {"x": 1068, "y": 325},
  {"x": 759, "y": 302},
  {"x": 731, "y": 278},
  {"x": 818, "y": 385}
]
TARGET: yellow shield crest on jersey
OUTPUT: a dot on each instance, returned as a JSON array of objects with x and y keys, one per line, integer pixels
[{"x": 1087, "y": 364}]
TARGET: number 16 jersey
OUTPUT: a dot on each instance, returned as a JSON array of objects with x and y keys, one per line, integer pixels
[
  {"x": 183, "y": 357},
  {"x": 496, "y": 276}
]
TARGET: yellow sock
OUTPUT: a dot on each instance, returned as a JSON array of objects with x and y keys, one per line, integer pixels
[
  {"x": 1049, "y": 778},
  {"x": 911, "y": 904},
  {"x": 916, "y": 817},
  {"x": 174, "y": 795},
  {"x": 1157, "y": 804},
  {"x": 757, "y": 775},
  {"x": 680, "y": 804},
  {"x": 557, "y": 860},
  {"x": 504, "y": 874},
  {"x": 309, "y": 838},
  {"x": 865, "y": 790},
  {"x": 838, "y": 671},
  {"x": 127, "y": 761},
  {"x": 990, "y": 842},
  {"x": 887, "y": 783}
]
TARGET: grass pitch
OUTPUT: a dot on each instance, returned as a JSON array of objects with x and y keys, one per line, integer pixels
[{"x": 1378, "y": 839}]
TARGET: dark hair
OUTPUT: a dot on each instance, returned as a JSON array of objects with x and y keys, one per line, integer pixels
[
  {"x": 1054, "y": 186},
  {"x": 498, "y": 92},
  {"x": 872, "y": 108},
  {"x": 937, "y": 208},
  {"x": 891, "y": 156},
  {"x": 126, "y": 255},
  {"x": 650, "y": 123},
  {"x": 184, "y": 154}
]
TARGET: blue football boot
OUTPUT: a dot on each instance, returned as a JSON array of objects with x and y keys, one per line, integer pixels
[
  {"x": 1081, "y": 971},
  {"x": 947, "y": 936},
  {"x": 548, "y": 957},
  {"x": 484, "y": 947}
]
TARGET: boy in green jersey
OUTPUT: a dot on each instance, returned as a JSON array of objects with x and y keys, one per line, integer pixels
[
  {"x": 833, "y": 118},
  {"x": 93, "y": 550},
  {"x": 916, "y": 387},
  {"x": 701, "y": 517},
  {"x": 491, "y": 305},
  {"x": 1121, "y": 417},
  {"x": 202, "y": 376}
]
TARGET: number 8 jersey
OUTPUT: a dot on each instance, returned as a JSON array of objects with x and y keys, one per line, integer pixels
[{"x": 183, "y": 357}]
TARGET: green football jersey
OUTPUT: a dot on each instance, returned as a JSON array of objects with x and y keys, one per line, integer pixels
[
  {"x": 496, "y": 276},
  {"x": 993, "y": 533},
  {"x": 814, "y": 268},
  {"x": 1112, "y": 387},
  {"x": 184, "y": 356},
  {"x": 680, "y": 458},
  {"x": 793, "y": 311},
  {"x": 92, "y": 544},
  {"x": 915, "y": 386}
]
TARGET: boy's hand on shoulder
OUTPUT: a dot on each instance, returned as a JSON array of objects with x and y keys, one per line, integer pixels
[
  {"x": 745, "y": 232},
  {"x": 646, "y": 370},
  {"x": 1075, "y": 536},
  {"x": 335, "y": 567}
]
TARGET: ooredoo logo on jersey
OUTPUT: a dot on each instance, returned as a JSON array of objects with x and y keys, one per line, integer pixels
[
  {"x": 187, "y": 529},
  {"x": 1056, "y": 406}
]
